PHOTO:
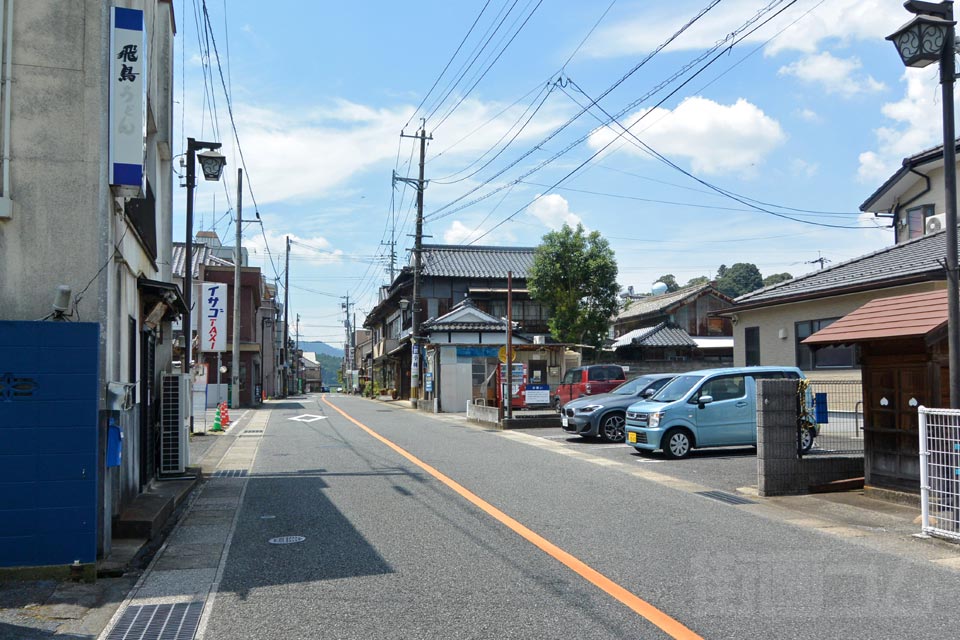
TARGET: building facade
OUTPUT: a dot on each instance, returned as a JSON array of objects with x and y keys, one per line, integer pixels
[{"x": 74, "y": 214}]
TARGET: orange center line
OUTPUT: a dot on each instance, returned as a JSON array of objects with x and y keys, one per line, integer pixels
[{"x": 670, "y": 626}]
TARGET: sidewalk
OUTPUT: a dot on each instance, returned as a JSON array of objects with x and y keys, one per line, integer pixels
[{"x": 35, "y": 609}]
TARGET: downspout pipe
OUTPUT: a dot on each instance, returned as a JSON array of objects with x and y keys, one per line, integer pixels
[{"x": 7, "y": 102}]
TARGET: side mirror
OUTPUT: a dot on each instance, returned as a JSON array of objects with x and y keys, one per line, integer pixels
[
  {"x": 704, "y": 400},
  {"x": 648, "y": 393}
]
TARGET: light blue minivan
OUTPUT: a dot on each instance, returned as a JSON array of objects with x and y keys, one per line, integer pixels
[{"x": 708, "y": 408}]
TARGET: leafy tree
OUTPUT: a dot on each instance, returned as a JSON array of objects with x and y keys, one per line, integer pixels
[
  {"x": 574, "y": 275},
  {"x": 741, "y": 278},
  {"x": 693, "y": 282},
  {"x": 670, "y": 281},
  {"x": 776, "y": 278},
  {"x": 721, "y": 271}
]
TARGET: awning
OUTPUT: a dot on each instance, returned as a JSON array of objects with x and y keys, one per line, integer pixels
[
  {"x": 163, "y": 291},
  {"x": 911, "y": 316}
]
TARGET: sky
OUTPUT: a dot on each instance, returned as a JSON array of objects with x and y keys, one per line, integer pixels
[{"x": 689, "y": 134}]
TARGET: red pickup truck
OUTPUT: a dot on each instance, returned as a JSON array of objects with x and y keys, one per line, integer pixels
[{"x": 590, "y": 380}]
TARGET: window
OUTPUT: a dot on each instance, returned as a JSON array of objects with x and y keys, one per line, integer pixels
[
  {"x": 824, "y": 357},
  {"x": 917, "y": 220},
  {"x": 751, "y": 339},
  {"x": 724, "y": 388},
  {"x": 571, "y": 376}
]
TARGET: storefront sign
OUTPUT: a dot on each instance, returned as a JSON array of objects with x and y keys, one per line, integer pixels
[
  {"x": 213, "y": 317},
  {"x": 415, "y": 366},
  {"x": 127, "y": 100},
  {"x": 428, "y": 381},
  {"x": 538, "y": 394}
]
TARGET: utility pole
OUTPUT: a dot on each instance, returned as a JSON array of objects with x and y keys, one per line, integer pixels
[
  {"x": 237, "y": 255},
  {"x": 509, "y": 364},
  {"x": 286, "y": 322},
  {"x": 417, "y": 264},
  {"x": 297, "y": 354},
  {"x": 347, "y": 345}
]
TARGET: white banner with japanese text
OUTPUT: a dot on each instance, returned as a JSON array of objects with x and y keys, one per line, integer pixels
[
  {"x": 213, "y": 317},
  {"x": 127, "y": 100}
]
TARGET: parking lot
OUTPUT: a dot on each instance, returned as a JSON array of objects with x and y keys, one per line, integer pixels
[{"x": 724, "y": 469}]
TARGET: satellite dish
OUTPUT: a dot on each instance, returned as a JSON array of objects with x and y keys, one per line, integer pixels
[{"x": 659, "y": 288}]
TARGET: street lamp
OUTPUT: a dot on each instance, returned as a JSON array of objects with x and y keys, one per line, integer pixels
[
  {"x": 211, "y": 163},
  {"x": 928, "y": 38}
]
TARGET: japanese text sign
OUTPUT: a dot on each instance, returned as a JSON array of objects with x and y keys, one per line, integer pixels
[
  {"x": 213, "y": 317},
  {"x": 127, "y": 100}
]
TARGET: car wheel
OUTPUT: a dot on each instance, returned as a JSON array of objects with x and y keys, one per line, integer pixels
[
  {"x": 611, "y": 428},
  {"x": 676, "y": 444},
  {"x": 556, "y": 405},
  {"x": 806, "y": 439}
]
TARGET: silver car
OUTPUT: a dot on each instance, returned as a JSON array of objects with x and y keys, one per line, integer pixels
[{"x": 604, "y": 415}]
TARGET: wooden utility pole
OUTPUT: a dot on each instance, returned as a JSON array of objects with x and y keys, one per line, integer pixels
[
  {"x": 509, "y": 344},
  {"x": 237, "y": 255}
]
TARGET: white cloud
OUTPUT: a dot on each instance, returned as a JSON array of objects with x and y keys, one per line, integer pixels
[
  {"x": 809, "y": 115},
  {"x": 837, "y": 75},
  {"x": 916, "y": 124},
  {"x": 843, "y": 20},
  {"x": 715, "y": 138},
  {"x": 462, "y": 233},
  {"x": 315, "y": 250},
  {"x": 553, "y": 211},
  {"x": 804, "y": 168}
]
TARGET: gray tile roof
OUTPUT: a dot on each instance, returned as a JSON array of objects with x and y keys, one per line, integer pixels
[
  {"x": 461, "y": 261},
  {"x": 656, "y": 304},
  {"x": 913, "y": 261},
  {"x": 202, "y": 254},
  {"x": 661, "y": 335}
]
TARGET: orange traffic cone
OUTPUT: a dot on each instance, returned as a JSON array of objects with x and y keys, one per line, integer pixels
[{"x": 226, "y": 416}]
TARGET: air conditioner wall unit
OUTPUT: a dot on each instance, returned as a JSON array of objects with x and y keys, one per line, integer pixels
[
  {"x": 935, "y": 223},
  {"x": 174, "y": 423}
]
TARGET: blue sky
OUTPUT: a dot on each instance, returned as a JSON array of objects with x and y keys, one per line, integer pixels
[{"x": 808, "y": 114}]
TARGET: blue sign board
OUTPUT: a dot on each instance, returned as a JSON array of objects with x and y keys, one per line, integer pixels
[{"x": 477, "y": 352}]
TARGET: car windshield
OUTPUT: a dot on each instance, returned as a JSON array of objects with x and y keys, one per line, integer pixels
[
  {"x": 632, "y": 387},
  {"x": 677, "y": 389}
]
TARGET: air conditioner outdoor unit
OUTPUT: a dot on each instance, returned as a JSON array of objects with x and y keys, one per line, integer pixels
[
  {"x": 935, "y": 223},
  {"x": 174, "y": 423}
]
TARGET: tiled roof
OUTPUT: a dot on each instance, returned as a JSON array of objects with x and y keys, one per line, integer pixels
[
  {"x": 657, "y": 304},
  {"x": 908, "y": 316},
  {"x": 460, "y": 261},
  {"x": 465, "y": 317},
  {"x": 661, "y": 335},
  {"x": 912, "y": 261},
  {"x": 202, "y": 254}
]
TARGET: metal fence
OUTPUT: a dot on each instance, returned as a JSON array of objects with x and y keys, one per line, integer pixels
[
  {"x": 837, "y": 408},
  {"x": 940, "y": 472}
]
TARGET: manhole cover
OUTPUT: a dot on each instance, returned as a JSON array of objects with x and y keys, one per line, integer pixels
[{"x": 287, "y": 539}]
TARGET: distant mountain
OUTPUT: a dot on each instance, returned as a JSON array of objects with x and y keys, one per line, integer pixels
[{"x": 321, "y": 347}]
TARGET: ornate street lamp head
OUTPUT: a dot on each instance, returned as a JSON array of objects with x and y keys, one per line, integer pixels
[
  {"x": 920, "y": 42},
  {"x": 212, "y": 164}
]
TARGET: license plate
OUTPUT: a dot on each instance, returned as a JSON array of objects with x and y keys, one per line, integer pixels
[
  {"x": 631, "y": 436},
  {"x": 564, "y": 422}
]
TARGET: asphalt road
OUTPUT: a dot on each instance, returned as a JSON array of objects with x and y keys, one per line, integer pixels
[{"x": 391, "y": 550}]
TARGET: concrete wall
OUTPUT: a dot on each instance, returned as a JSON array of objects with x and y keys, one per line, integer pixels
[
  {"x": 780, "y": 471},
  {"x": 782, "y": 351}
]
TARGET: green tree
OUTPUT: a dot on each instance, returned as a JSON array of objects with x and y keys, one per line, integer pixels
[
  {"x": 574, "y": 275},
  {"x": 699, "y": 280},
  {"x": 741, "y": 278},
  {"x": 670, "y": 281},
  {"x": 721, "y": 271},
  {"x": 776, "y": 278}
]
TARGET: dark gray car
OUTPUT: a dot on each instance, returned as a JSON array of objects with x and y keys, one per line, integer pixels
[{"x": 604, "y": 415}]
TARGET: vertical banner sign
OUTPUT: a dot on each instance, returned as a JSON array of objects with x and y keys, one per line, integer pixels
[
  {"x": 213, "y": 317},
  {"x": 127, "y": 100},
  {"x": 415, "y": 366}
]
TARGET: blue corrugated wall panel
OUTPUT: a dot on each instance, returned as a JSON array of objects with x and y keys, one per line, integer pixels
[{"x": 48, "y": 443}]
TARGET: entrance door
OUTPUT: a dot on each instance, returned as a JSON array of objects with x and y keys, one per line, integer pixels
[{"x": 891, "y": 429}]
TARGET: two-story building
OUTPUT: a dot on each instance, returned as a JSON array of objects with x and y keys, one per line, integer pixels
[{"x": 449, "y": 274}]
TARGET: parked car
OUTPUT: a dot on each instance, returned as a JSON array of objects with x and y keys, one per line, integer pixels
[
  {"x": 589, "y": 380},
  {"x": 699, "y": 409},
  {"x": 603, "y": 415}
]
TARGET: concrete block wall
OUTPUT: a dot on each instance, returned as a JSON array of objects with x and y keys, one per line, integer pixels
[{"x": 780, "y": 471}]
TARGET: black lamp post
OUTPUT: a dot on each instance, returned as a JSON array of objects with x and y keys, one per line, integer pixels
[
  {"x": 928, "y": 38},
  {"x": 211, "y": 163}
]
